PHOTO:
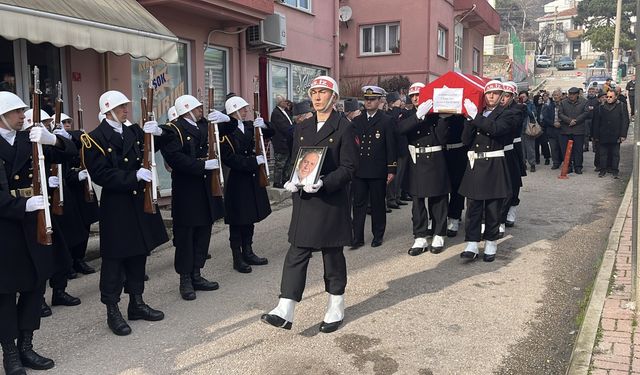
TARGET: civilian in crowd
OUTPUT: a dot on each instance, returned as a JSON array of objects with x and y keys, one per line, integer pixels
[
  {"x": 282, "y": 125},
  {"x": 572, "y": 113},
  {"x": 551, "y": 126},
  {"x": 610, "y": 125},
  {"x": 528, "y": 142}
]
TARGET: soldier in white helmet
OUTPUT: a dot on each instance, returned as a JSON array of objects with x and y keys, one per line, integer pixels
[
  {"x": 113, "y": 154},
  {"x": 24, "y": 263},
  {"x": 320, "y": 220}
]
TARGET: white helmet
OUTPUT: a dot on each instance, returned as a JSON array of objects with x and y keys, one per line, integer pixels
[
  {"x": 510, "y": 87},
  {"x": 234, "y": 104},
  {"x": 101, "y": 117},
  {"x": 415, "y": 88},
  {"x": 324, "y": 82},
  {"x": 28, "y": 118},
  {"x": 10, "y": 101},
  {"x": 185, "y": 104},
  {"x": 111, "y": 99},
  {"x": 172, "y": 114},
  {"x": 493, "y": 85},
  {"x": 63, "y": 117}
]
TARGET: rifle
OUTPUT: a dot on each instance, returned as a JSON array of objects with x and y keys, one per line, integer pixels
[
  {"x": 217, "y": 179},
  {"x": 39, "y": 181},
  {"x": 149, "y": 157},
  {"x": 89, "y": 194},
  {"x": 263, "y": 169},
  {"x": 57, "y": 196}
]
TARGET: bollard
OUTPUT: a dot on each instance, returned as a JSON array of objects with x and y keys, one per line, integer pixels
[{"x": 567, "y": 161}]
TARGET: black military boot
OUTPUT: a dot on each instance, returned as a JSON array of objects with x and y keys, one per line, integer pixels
[
  {"x": 238, "y": 262},
  {"x": 80, "y": 266},
  {"x": 28, "y": 356},
  {"x": 187, "y": 292},
  {"x": 139, "y": 310},
  {"x": 45, "y": 310},
  {"x": 116, "y": 322},
  {"x": 251, "y": 258},
  {"x": 11, "y": 359},
  {"x": 62, "y": 298},
  {"x": 200, "y": 283}
]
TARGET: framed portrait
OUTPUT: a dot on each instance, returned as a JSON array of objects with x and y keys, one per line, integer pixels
[{"x": 308, "y": 165}]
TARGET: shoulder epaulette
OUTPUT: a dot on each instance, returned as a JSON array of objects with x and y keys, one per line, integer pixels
[{"x": 88, "y": 142}]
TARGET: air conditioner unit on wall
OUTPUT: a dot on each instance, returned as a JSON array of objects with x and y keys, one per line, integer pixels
[{"x": 271, "y": 33}]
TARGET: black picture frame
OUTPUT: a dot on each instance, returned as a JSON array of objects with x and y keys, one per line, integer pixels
[{"x": 300, "y": 175}]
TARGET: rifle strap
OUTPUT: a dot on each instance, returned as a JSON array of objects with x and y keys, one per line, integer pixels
[
  {"x": 226, "y": 139},
  {"x": 179, "y": 132},
  {"x": 87, "y": 143}
]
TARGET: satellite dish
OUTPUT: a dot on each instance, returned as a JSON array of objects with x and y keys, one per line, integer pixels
[{"x": 345, "y": 13}]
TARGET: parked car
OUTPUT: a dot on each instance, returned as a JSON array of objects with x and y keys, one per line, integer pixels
[
  {"x": 565, "y": 63},
  {"x": 543, "y": 61}
]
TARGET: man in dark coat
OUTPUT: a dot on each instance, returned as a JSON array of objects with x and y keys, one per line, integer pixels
[
  {"x": 113, "y": 155},
  {"x": 184, "y": 147},
  {"x": 282, "y": 125},
  {"x": 377, "y": 167},
  {"x": 486, "y": 182},
  {"x": 394, "y": 189},
  {"x": 610, "y": 127},
  {"x": 428, "y": 176},
  {"x": 25, "y": 265},
  {"x": 456, "y": 158},
  {"x": 573, "y": 113},
  {"x": 245, "y": 201},
  {"x": 518, "y": 112},
  {"x": 320, "y": 219}
]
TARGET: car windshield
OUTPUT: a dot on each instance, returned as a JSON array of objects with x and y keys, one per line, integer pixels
[{"x": 565, "y": 58}]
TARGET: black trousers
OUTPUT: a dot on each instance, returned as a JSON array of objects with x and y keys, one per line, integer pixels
[
  {"x": 596, "y": 156},
  {"x": 22, "y": 314},
  {"x": 456, "y": 205},
  {"x": 542, "y": 142},
  {"x": 438, "y": 207},
  {"x": 192, "y": 246},
  {"x": 632, "y": 104},
  {"x": 111, "y": 277},
  {"x": 240, "y": 235},
  {"x": 79, "y": 251},
  {"x": 556, "y": 151},
  {"x": 294, "y": 271},
  {"x": 365, "y": 189},
  {"x": 576, "y": 152},
  {"x": 394, "y": 189},
  {"x": 610, "y": 156},
  {"x": 59, "y": 280},
  {"x": 491, "y": 210}
]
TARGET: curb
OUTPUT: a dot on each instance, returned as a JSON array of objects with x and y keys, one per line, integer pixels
[{"x": 580, "y": 360}]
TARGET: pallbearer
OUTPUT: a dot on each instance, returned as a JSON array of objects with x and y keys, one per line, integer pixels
[
  {"x": 320, "y": 220},
  {"x": 113, "y": 155}
]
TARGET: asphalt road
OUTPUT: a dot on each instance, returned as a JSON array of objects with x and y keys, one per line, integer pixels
[{"x": 429, "y": 314}]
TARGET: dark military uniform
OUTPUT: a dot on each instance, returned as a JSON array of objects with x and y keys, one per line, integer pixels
[
  {"x": 428, "y": 175},
  {"x": 193, "y": 208},
  {"x": 127, "y": 233},
  {"x": 321, "y": 221},
  {"x": 25, "y": 265},
  {"x": 395, "y": 188},
  {"x": 376, "y": 141},
  {"x": 245, "y": 201},
  {"x": 486, "y": 184},
  {"x": 456, "y": 157},
  {"x": 515, "y": 159}
]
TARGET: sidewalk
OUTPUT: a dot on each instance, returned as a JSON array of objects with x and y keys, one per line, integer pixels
[{"x": 608, "y": 343}]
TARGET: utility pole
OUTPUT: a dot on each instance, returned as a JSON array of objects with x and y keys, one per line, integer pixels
[
  {"x": 635, "y": 231},
  {"x": 555, "y": 36},
  {"x": 616, "y": 43}
]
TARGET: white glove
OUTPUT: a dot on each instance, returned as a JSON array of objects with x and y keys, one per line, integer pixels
[
  {"x": 472, "y": 109},
  {"x": 211, "y": 164},
  {"x": 313, "y": 188},
  {"x": 54, "y": 182},
  {"x": 151, "y": 127},
  {"x": 62, "y": 133},
  {"x": 424, "y": 108},
  {"x": 83, "y": 174},
  {"x": 38, "y": 134},
  {"x": 259, "y": 123},
  {"x": 35, "y": 203},
  {"x": 217, "y": 117},
  {"x": 143, "y": 174},
  {"x": 260, "y": 159},
  {"x": 291, "y": 187}
]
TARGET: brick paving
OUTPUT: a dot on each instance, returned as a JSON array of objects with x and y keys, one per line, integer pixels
[{"x": 617, "y": 349}]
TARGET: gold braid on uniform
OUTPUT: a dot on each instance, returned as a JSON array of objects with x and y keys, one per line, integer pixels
[
  {"x": 87, "y": 143},
  {"x": 226, "y": 139},
  {"x": 179, "y": 132}
]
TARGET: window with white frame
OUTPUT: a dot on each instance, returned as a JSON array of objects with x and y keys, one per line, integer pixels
[
  {"x": 476, "y": 61},
  {"x": 442, "y": 41},
  {"x": 299, "y": 4},
  {"x": 380, "y": 39},
  {"x": 457, "y": 47}
]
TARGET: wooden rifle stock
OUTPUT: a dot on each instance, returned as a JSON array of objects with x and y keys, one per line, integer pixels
[
  {"x": 213, "y": 137},
  {"x": 89, "y": 194},
  {"x": 257, "y": 137}
]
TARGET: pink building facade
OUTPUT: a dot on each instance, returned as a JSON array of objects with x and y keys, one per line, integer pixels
[{"x": 417, "y": 39}]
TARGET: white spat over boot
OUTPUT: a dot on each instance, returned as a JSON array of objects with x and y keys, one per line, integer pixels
[
  {"x": 334, "y": 315},
  {"x": 282, "y": 315}
]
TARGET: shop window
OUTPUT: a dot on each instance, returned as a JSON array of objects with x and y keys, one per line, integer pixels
[
  {"x": 291, "y": 80},
  {"x": 380, "y": 39},
  {"x": 442, "y": 41},
  {"x": 216, "y": 63},
  {"x": 7, "y": 67},
  {"x": 299, "y": 4}
]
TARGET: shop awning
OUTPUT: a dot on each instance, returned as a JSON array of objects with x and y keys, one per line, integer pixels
[{"x": 121, "y": 27}]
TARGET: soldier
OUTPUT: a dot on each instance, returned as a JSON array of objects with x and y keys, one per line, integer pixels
[
  {"x": 24, "y": 263},
  {"x": 394, "y": 189},
  {"x": 113, "y": 155},
  {"x": 282, "y": 126},
  {"x": 486, "y": 180},
  {"x": 456, "y": 158},
  {"x": 377, "y": 167},
  {"x": 428, "y": 177},
  {"x": 320, "y": 220},
  {"x": 184, "y": 147},
  {"x": 246, "y": 202}
]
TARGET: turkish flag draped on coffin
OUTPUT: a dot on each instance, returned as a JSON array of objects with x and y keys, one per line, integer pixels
[{"x": 449, "y": 91}]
